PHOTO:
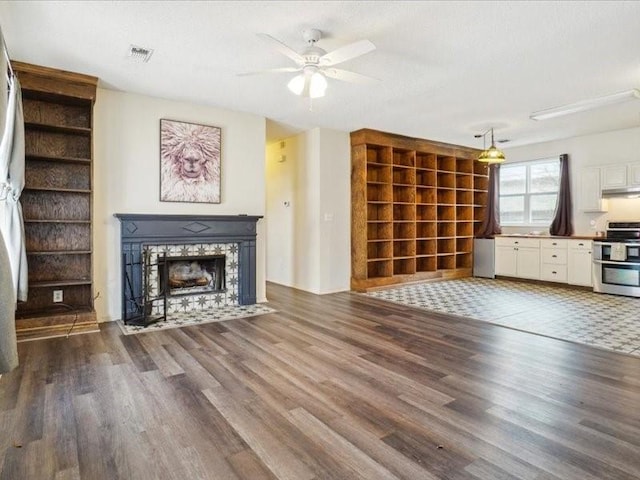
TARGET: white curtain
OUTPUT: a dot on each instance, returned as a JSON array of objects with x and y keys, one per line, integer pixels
[{"x": 11, "y": 185}]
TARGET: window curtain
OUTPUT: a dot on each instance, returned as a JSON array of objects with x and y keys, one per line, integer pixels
[
  {"x": 491, "y": 224},
  {"x": 8, "y": 345},
  {"x": 562, "y": 224}
]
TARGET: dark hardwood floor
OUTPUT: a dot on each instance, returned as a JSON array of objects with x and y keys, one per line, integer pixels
[{"x": 333, "y": 387}]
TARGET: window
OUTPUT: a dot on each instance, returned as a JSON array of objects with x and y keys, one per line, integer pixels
[{"x": 529, "y": 192}]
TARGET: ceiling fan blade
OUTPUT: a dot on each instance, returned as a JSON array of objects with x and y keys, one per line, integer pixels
[
  {"x": 347, "y": 52},
  {"x": 270, "y": 70},
  {"x": 307, "y": 85},
  {"x": 347, "y": 76},
  {"x": 282, "y": 48}
]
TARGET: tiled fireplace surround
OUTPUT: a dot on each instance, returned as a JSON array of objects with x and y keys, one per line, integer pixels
[{"x": 189, "y": 236}]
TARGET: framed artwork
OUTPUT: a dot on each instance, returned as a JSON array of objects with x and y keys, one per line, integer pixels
[{"x": 189, "y": 162}]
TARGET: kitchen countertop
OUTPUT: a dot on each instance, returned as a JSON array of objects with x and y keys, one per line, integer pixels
[{"x": 531, "y": 235}]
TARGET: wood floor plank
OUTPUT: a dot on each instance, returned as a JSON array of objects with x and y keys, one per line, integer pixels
[{"x": 330, "y": 387}]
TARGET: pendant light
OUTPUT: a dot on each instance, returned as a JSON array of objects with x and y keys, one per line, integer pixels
[{"x": 492, "y": 154}]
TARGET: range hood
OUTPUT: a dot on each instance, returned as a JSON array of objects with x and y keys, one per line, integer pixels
[{"x": 628, "y": 192}]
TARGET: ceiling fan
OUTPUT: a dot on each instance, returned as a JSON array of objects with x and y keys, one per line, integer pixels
[{"x": 314, "y": 63}]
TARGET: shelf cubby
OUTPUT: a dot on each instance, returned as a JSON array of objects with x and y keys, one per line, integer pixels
[
  {"x": 404, "y": 194},
  {"x": 404, "y": 266},
  {"x": 404, "y": 157},
  {"x": 379, "y": 154},
  {"x": 446, "y": 180},
  {"x": 480, "y": 198},
  {"x": 464, "y": 197},
  {"x": 404, "y": 230},
  {"x": 446, "y": 262},
  {"x": 446, "y": 213},
  {"x": 464, "y": 213},
  {"x": 426, "y": 212},
  {"x": 379, "y": 231},
  {"x": 464, "y": 229},
  {"x": 464, "y": 260},
  {"x": 426, "y": 161},
  {"x": 480, "y": 168},
  {"x": 426, "y": 247},
  {"x": 379, "y": 268},
  {"x": 426, "y": 264},
  {"x": 426, "y": 178},
  {"x": 480, "y": 183},
  {"x": 446, "y": 163},
  {"x": 378, "y": 192},
  {"x": 464, "y": 182},
  {"x": 464, "y": 245},
  {"x": 379, "y": 211},
  {"x": 404, "y": 176},
  {"x": 406, "y": 212},
  {"x": 446, "y": 229},
  {"x": 379, "y": 250},
  {"x": 379, "y": 173},
  {"x": 426, "y": 195},
  {"x": 446, "y": 197},
  {"x": 404, "y": 248},
  {"x": 446, "y": 245},
  {"x": 426, "y": 230},
  {"x": 464, "y": 165}
]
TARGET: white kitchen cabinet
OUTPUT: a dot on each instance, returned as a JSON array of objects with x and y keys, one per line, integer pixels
[
  {"x": 580, "y": 263},
  {"x": 614, "y": 176},
  {"x": 518, "y": 257},
  {"x": 590, "y": 191},
  {"x": 634, "y": 175},
  {"x": 620, "y": 176},
  {"x": 553, "y": 260}
]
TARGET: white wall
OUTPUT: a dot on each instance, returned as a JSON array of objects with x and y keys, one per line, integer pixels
[
  {"x": 126, "y": 176},
  {"x": 616, "y": 147},
  {"x": 335, "y": 211},
  {"x": 308, "y": 241}
]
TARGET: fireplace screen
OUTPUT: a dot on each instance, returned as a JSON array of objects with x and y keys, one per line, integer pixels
[{"x": 191, "y": 275}]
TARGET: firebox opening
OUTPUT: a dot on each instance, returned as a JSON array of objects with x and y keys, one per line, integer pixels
[{"x": 191, "y": 275}]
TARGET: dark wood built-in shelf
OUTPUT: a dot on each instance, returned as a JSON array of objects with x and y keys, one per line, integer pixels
[
  {"x": 58, "y": 128},
  {"x": 57, "y": 199}
]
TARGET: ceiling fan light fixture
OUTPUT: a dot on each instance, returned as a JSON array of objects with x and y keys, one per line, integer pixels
[
  {"x": 316, "y": 83},
  {"x": 317, "y": 86},
  {"x": 296, "y": 84}
]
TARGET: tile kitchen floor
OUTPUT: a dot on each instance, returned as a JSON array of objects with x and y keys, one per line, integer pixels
[{"x": 610, "y": 322}]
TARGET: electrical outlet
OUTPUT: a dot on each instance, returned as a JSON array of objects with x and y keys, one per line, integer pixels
[{"x": 57, "y": 296}]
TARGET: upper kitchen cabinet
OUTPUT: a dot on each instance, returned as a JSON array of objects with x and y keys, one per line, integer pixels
[
  {"x": 590, "y": 190},
  {"x": 620, "y": 176}
]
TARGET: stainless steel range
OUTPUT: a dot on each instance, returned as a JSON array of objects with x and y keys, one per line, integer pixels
[{"x": 616, "y": 260}]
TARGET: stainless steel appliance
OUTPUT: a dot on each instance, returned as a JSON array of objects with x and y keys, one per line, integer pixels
[
  {"x": 616, "y": 260},
  {"x": 483, "y": 257}
]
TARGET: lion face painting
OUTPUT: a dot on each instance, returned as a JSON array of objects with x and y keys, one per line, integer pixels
[{"x": 190, "y": 162}]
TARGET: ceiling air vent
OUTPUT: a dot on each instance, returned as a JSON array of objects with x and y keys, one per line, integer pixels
[{"x": 140, "y": 54}]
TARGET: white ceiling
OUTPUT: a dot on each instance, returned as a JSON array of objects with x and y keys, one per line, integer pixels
[{"x": 447, "y": 70}]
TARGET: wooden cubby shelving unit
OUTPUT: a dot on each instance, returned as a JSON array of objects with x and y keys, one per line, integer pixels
[
  {"x": 57, "y": 201},
  {"x": 415, "y": 205}
]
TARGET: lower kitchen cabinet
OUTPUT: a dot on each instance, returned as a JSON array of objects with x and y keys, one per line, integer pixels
[
  {"x": 580, "y": 263},
  {"x": 518, "y": 257},
  {"x": 549, "y": 259}
]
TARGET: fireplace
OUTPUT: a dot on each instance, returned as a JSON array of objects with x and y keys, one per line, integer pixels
[
  {"x": 184, "y": 263},
  {"x": 191, "y": 275}
]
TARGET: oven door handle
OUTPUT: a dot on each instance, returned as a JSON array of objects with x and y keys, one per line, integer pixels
[
  {"x": 608, "y": 262},
  {"x": 611, "y": 244}
]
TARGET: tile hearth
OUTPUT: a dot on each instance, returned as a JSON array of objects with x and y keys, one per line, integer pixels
[
  {"x": 201, "y": 301},
  {"x": 605, "y": 321}
]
